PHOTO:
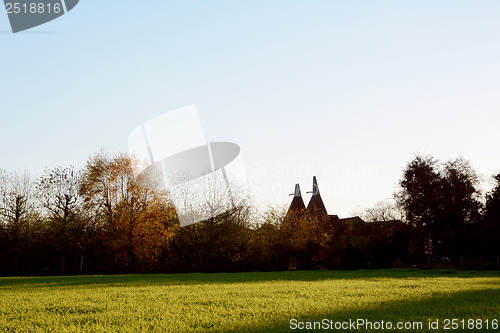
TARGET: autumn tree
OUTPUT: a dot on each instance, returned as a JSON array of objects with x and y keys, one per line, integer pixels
[
  {"x": 134, "y": 214},
  {"x": 297, "y": 238},
  {"x": 270, "y": 245}
]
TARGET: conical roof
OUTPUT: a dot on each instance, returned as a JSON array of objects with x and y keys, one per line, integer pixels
[
  {"x": 316, "y": 207},
  {"x": 297, "y": 202}
]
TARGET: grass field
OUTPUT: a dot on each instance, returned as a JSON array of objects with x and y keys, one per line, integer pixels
[{"x": 247, "y": 302}]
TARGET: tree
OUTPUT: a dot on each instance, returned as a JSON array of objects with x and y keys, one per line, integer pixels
[
  {"x": 303, "y": 239},
  {"x": 419, "y": 190},
  {"x": 491, "y": 224},
  {"x": 154, "y": 228},
  {"x": 418, "y": 197},
  {"x": 18, "y": 208},
  {"x": 460, "y": 204},
  {"x": 58, "y": 195},
  {"x": 217, "y": 242},
  {"x": 133, "y": 213},
  {"x": 266, "y": 248},
  {"x": 383, "y": 211},
  {"x": 213, "y": 210},
  {"x": 441, "y": 203}
]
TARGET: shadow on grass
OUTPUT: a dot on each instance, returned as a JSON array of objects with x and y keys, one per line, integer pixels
[
  {"x": 483, "y": 304},
  {"x": 245, "y": 277}
]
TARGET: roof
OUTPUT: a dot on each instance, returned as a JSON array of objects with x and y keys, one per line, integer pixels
[
  {"x": 297, "y": 202},
  {"x": 357, "y": 226},
  {"x": 296, "y": 205},
  {"x": 316, "y": 207}
]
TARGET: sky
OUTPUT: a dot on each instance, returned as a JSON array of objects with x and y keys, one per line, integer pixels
[{"x": 348, "y": 91}]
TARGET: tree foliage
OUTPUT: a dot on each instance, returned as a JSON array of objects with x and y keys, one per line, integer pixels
[
  {"x": 135, "y": 215},
  {"x": 57, "y": 191},
  {"x": 383, "y": 211},
  {"x": 18, "y": 209},
  {"x": 490, "y": 235},
  {"x": 441, "y": 202},
  {"x": 113, "y": 216}
]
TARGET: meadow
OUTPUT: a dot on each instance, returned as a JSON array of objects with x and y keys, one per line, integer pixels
[{"x": 250, "y": 302}]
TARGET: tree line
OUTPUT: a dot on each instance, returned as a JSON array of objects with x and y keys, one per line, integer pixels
[
  {"x": 109, "y": 218},
  {"x": 448, "y": 214}
]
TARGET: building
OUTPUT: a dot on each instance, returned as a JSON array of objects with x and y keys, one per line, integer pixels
[{"x": 350, "y": 232}]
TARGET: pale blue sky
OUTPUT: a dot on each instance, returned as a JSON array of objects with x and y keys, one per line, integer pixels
[{"x": 348, "y": 91}]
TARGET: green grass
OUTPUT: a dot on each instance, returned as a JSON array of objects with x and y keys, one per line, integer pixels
[{"x": 243, "y": 302}]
